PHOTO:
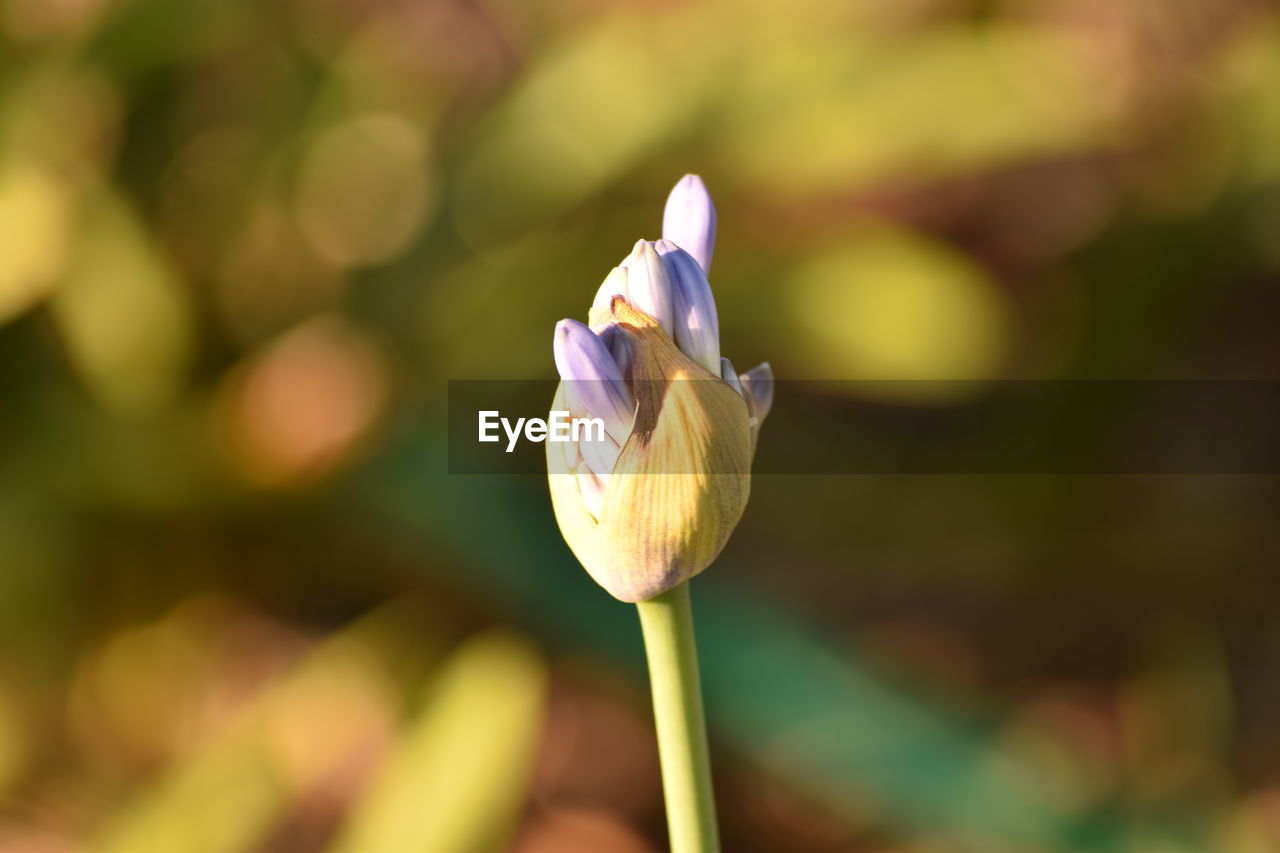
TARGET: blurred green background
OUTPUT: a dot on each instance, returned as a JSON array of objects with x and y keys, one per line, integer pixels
[{"x": 243, "y": 246}]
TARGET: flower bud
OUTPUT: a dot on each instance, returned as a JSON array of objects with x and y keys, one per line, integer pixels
[
  {"x": 681, "y": 481},
  {"x": 652, "y": 502}
]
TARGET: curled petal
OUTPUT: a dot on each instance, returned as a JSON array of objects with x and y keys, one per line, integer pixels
[
  {"x": 730, "y": 375},
  {"x": 594, "y": 378},
  {"x": 649, "y": 285},
  {"x": 758, "y": 382},
  {"x": 689, "y": 220},
  {"x": 697, "y": 327}
]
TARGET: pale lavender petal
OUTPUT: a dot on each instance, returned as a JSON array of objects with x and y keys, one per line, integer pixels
[
  {"x": 593, "y": 376},
  {"x": 728, "y": 374},
  {"x": 615, "y": 284},
  {"x": 619, "y": 345},
  {"x": 648, "y": 284},
  {"x": 689, "y": 219},
  {"x": 697, "y": 331},
  {"x": 759, "y": 384}
]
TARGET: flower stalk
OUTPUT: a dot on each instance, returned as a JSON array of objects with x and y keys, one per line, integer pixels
[{"x": 667, "y": 623}]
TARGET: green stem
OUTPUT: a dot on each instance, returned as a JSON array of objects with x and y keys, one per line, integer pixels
[{"x": 667, "y": 623}]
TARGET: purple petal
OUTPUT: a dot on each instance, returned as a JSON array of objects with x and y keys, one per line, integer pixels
[
  {"x": 689, "y": 220},
  {"x": 648, "y": 284},
  {"x": 728, "y": 374},
  {"x": 759, "y": 384},
  {"x": 595, "y": 380},
  {"x": 697, "y": 330},
  {"x": 619, "y": 345}
]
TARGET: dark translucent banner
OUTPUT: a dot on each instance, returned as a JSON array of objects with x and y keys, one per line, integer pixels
[{"x": 1162, "y": 427}]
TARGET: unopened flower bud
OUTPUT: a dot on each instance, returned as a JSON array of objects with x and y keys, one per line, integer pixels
[
  {"x": 652, "y": 502},
  {"x": 680, "y": 483}
]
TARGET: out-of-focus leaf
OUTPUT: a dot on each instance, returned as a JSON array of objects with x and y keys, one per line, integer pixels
[
  {"x": 1251, "y": 827},
  {"x": 816, "y": 108},
  {"x": 35, "y": 224},
  {"x": 320, "y": 720},
  {"x": 892, "y": 305},
  {"x": 363, "y": 189},
  {"x": 1178, "y": 717},
  {"x": 124, "y": 317},
  {"x": 1245, "y": 88},
  {"x": 218, "y": 803},
  {"x": 63, "y": 116},
  {"x": 591, "y": 109},
  {"x": 456, "y": 779}
]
